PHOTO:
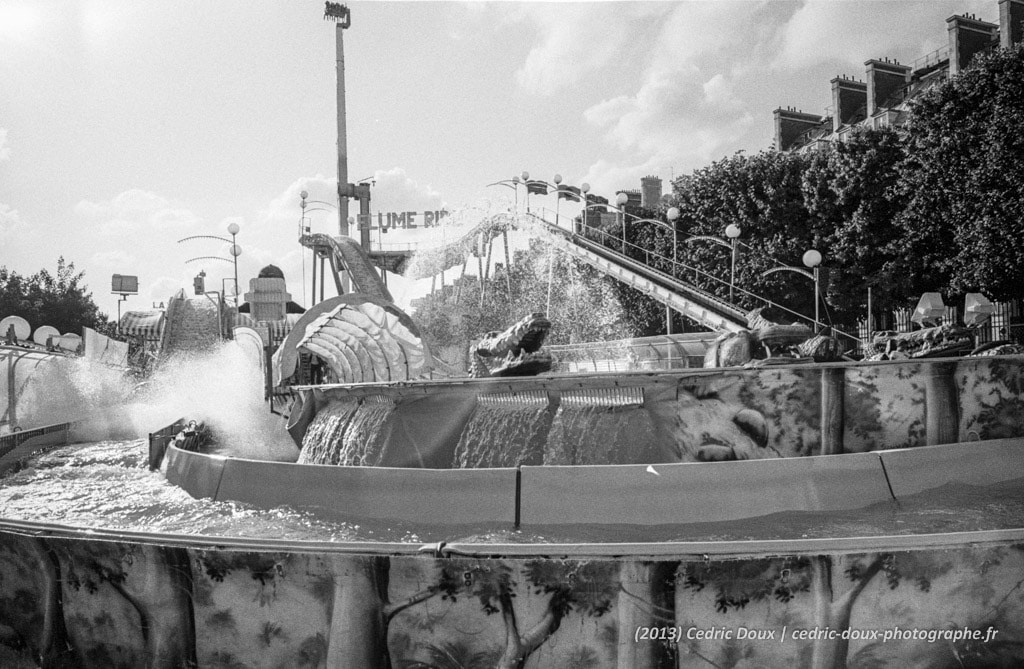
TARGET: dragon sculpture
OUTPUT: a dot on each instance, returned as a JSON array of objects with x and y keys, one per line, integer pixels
[
  {"x": 765, "y": 342},
  {"x": 513, "y": 352}
]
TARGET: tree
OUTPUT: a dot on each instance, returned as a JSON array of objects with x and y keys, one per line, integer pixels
[
  {"x": 964, "y": 181},
  {"x": 62, "y": 301},
  {"x": 852, "y": 191}
]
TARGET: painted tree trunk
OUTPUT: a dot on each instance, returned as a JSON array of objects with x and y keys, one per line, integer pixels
[
  {"x": 832, "y": 413},
  {"x": 159, "y": 585},
  {"x": 942, "y": 409},
  {"x": 833, "y": 612},
  {"x": 642, "y": 603},
  {"x": 358, "y": 635}
]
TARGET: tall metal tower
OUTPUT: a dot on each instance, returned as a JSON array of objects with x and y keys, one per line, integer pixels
[{"x": 342, "y": 18}]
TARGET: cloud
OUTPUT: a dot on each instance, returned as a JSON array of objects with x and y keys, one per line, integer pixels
[
  {"x": 853, "y": 32},
  {"x": 11, "y": 223},
  {"x": 134, "y": 211},
  {"x": 113, "y": 259},
  {"x": 391, "y": 190},
  {"x": 686, "y": 109},
  {"x": 575, "y": 39},
  {"x": 396, "y": 191},
  {"x": 285, "y": 207},
  {"x": 5, "y": 151}
]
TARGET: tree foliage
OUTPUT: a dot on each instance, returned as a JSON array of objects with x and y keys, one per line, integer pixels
[
  {"x": 964, "y": 178},
  {"x": 60, "y": 300}
]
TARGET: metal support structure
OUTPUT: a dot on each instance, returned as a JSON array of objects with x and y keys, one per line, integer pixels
[{"x": 342, "y": 20}]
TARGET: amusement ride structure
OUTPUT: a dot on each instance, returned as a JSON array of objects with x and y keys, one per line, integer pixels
[{"x": 627, "y": 519}]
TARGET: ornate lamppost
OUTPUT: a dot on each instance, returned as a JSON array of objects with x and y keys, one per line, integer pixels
[{"x": 235, "y": 250}]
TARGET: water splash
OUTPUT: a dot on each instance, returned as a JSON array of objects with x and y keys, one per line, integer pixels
[{"x": 221, "y": 387}]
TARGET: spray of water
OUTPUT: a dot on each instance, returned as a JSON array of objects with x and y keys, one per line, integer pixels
[{"x": 221, "y": 387}]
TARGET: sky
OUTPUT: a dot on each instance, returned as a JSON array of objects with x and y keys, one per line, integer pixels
[{"x": 127, "y": 126}]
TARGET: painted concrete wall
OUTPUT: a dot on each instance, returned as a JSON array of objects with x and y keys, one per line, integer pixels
[{"x": 92, "y": 603}]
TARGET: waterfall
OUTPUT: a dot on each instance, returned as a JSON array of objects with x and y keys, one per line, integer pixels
[{"x": 505, "y": 430}]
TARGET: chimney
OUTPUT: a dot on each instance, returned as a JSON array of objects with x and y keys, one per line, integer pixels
[
  {"x": 885, "y": 78},
  {"x": 790, "y": 124},
  {"x": 650, "y": 192},
  {"x": 1011, "y": 23},
  {"x": 850, "y": 100},
  {"x": 967, "y": 37}
]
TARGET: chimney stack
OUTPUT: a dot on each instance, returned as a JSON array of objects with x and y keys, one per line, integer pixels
[
  {"x": 885, "y": 78},
  {"x": 1011, "y": 23},
  {"x": 790, "y": 124},
  {"x": 650, "y": 192},
  {"x": 967, "y": 37},
  {"x": 850, "y": 100}
]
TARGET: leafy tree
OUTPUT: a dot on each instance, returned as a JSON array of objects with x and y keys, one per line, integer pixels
[
  {"x": 763, "y": 195},
  {"x": 60, "y": 300},
  {"x": 964, "y": 180},
  {"x": 853, "y": 193}
]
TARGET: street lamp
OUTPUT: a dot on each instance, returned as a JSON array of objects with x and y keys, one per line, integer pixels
[
  {"x": 620, "y": 201},
  {"x": 673, "y": 215},
  {"x": 512, "y": 183},
  {"x": 812, "y": 259},
  {"x": 732, "y": 231},
  {"x": 235, "y": 250}
]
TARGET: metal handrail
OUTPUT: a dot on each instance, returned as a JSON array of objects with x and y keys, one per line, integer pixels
[{"x": 648, "y": 266}]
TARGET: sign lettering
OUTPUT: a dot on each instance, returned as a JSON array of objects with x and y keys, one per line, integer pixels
[{"x": 404, "y": 220}]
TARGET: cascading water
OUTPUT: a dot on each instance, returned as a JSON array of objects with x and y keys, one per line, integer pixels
[
  {"x": 352, "y": 433},
  {"x": 322, "y": 442},
  {"x": 602, "y": 428},
  {"x": 505, "y": 430}
]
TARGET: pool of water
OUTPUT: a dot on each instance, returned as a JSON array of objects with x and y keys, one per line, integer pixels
[{"x": 107, "y": 485}]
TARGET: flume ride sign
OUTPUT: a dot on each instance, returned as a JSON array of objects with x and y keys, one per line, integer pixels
[{"x": 403, "y": 219}]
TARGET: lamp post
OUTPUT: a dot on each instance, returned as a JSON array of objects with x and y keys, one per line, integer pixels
[
  {"x": 525, "y": 176},
  {"x": 812, "y": 259},
  {"x": 620, "y": 201},
  {"x": 512, "y": 183},
  {"x": 673, "y": 215},
  {"x": 732, "y": 231},
  {"x": 235, "y": 250}
]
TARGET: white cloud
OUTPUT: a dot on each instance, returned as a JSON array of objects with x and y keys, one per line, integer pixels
[
  {"x": 136, "y": 210},
  {"x": 5, "y": 151},
  {"x": 286, "y": 206},
  {"x": 11, "y": 223},
  {"x": 577, "y": 38},
  {"x": 396, "y": 191},
  {"x": 115, "y": 259},
  {"x": 853, "y": 32}
]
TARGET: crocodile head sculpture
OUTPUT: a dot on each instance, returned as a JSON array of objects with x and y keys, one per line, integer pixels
[
  {"x": 513, "y": 352},
  {"x": 940, "y": 341}
]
